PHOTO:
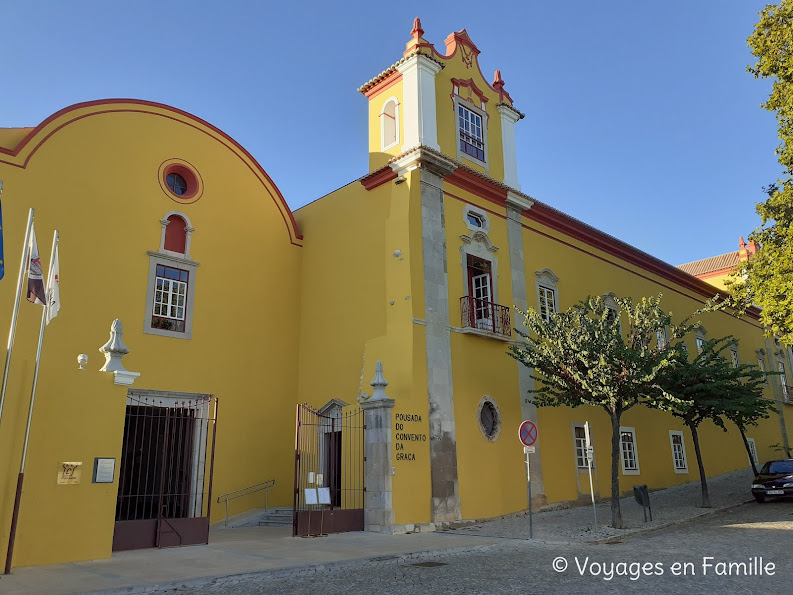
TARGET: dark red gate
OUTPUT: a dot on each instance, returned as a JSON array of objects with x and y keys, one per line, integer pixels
[
  {"x": 165, "y": 476},
  {"x": 329, "y": 471}
]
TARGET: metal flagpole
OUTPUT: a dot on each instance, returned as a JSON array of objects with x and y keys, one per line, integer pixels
[
  {"x": 11, "y": 333},
  {"x": 15, "y": 517}
]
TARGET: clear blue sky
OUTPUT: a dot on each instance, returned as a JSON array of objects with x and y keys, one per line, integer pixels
[{"x": 641, "y": 119}]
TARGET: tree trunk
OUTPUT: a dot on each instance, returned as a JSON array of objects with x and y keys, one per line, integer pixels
[
  {"x": 616, "y": 513},
  {"x": 702, "y": 479},
  {"x": 748, "y": 450}
]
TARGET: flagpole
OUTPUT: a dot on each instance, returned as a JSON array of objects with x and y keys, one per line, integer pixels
[
  {"x": 23, "y": 265},
  {"x": 15, "y": 517}
]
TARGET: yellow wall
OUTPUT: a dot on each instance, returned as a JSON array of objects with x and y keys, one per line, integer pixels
[{"x": 96, "y": 180}]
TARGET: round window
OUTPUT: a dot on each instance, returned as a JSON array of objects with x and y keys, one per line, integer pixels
[
  {"x": 180, "y": 181},
  {"x": 489, "y": 418},
  {"x": 177, "y": 184}
]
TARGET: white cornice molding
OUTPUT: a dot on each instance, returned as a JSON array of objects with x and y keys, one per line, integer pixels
[
  {"x": 419, "y": 60},
  {"x": 422, "y": 158},
  {"x": 509, "y": 113},
  {"x": 519, "y": 202}
]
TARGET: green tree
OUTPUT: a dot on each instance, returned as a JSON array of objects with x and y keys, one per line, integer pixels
[
  {"x": 711, "y": 387},
  {"x": 595, "y": 355},
  {"x": 766, "y": 279}
]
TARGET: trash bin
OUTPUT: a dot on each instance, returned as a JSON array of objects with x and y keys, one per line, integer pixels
[{"x": 642, "y": 497}]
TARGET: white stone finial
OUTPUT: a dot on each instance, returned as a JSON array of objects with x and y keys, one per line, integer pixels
[
  {"x": 378, "y": 383},
  {"x": 114, "y": 349},
  {"x": 82, "y": 359}
]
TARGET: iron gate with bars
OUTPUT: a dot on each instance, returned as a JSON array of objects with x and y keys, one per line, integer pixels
[
  {"x": 329, "y": 471},
  {"x": 165, "y": 477}
]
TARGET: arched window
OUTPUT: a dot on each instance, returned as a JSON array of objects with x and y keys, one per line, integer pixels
[
  {"x": 175, "y": 238},
  {"x": 389, "y": 124}
]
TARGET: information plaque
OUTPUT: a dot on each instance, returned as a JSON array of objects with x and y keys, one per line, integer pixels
[
  {"x": 324, "y": 495},
  {"x": 104, "y": 470}
]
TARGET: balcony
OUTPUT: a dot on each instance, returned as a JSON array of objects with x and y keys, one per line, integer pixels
[{"x": 485, "y": 316}]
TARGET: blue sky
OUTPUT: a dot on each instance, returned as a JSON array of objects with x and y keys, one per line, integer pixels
[{"x": 641, "y": 119}]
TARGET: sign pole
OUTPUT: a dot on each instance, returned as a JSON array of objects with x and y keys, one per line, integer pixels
[
  {"x": 526, "y": 449},
  {"x": 527, "y": 434},
  {"x": 590, "y": 455}
]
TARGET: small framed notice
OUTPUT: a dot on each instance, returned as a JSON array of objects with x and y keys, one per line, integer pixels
[
  {"x": 324, "y": 495},
  {"x": 311, "y": 495},
  {"x": 69, "y": 473},
  {"x": 104, "y": 470}
]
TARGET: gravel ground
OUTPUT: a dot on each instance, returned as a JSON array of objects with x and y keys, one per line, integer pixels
[{"x": 576, "y": 525}]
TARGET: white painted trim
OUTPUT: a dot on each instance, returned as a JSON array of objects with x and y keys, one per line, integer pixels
[
  {"x": 189, "y": 229},
  {"x": 636, "y": 471},
  {"x": 395, "y": 101},
  {"x": 470, "y": 209},
  {"x": 547, "y": 279},
  {"x": 170, "y": 260},
  {"x": 585, "y": 467},
  {"x": 467, "y": 330},
  {"x": 508, "y": 148},
  {"x": 518, "y": 202},
  {"x": 418, "y": 98},
  {"x": 682, "y": 470}
]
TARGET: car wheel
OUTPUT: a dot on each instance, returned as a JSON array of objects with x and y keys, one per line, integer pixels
[{"x": 760, "y": 499}]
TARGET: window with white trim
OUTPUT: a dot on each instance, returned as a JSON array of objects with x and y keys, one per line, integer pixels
[
  {"x": 171, "y": 281},
  {"x": 170, "y": 298},
  {"x": 761, "y": 363},
  {"x": 547, "y": 295},
  {"x": 476, "y": 219},
  {"x": 389, "y": 124},
  {"x": 661, "y": 338},
  {"x": 783, "y": 380},
  {"x": 678, "y": 451},
  {"x": 734, "y": 357},
  {"x": 630, "y": 455},
  {"x": 753, "y": 450},
  {"x": 470, "y": 132},
  {"x": 579, "y": 446},
  {"x": 479, "y": 288},
  {"x": 700, "y": 339}
]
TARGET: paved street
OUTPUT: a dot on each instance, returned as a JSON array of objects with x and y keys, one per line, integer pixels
[{"x": 693, "y": 558}]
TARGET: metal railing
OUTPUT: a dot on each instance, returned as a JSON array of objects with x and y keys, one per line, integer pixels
[
  {"x": 265, "y": 485},
  {"x": 485, "y": 316}
]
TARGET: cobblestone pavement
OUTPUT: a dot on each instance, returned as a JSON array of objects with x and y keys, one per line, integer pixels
[{"x": 686, "y": 558}]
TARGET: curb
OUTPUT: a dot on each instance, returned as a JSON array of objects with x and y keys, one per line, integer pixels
[{"x": 709, "y": 513}]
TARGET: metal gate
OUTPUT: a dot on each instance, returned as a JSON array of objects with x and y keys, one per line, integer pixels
[
  {"x": 329, "y": 471},
  {"x": 165, "y": 477}
]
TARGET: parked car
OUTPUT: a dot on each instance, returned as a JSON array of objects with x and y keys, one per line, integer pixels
[{"x": 774, "y": 481}]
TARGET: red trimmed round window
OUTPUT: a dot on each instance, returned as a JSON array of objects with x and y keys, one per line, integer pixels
[{"x": 181, "y": 181}]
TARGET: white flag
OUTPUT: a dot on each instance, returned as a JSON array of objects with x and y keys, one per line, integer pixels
[
  {"x": 36, "y": 292},
  {"x": 53, "y": 288}
]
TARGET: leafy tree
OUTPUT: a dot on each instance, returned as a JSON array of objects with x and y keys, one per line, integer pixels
[
  {"x": 766, "y": 279},
  {"x": 710, "y": 387},
  {"x": 594, "y": 355}
]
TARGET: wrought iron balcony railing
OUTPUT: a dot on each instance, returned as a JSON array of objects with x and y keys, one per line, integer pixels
[{"x": 485, "y": 316}]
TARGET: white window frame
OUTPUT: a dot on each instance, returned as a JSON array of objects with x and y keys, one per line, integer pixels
[
  {"x": 761, "y": 362},
  {"x": 753, "y": 450},
  {"x": 700, "y": 339},
  {"x": 547, "y": 280},
  {"x": 782, "y": 369},
  {"x": 682, "y": 444},
  {"x": 173, "y": 260},
  {"x": 383, "y": 116},
  {"x": 734, "y": 360},
  {"x": 480, "y": 214},
  {"x": 632, "y": 432},
  {"x": 460, "y": 102},
  {"x": 661, "y": 338},
  {"x": 170, "y": 290},
  {"x": 579, "y": 447}
]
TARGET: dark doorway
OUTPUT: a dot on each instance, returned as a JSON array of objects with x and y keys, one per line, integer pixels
[
  {"x": 163, "y": 491},
  {"x": 333, "y": 466}
]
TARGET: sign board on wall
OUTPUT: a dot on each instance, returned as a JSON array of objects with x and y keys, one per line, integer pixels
[
  {"x": 69, "y": 473},
  {"x": 104, "y": 470}
]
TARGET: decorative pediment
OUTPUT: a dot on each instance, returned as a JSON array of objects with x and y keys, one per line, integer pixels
[
  {"x": 548, "y": 274},
  {"x": 478, "y": 236},
  {"x": 466, "y": 88},
  {"x": 333, "y": 408}
]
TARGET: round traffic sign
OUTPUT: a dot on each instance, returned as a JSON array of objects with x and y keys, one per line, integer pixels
[{"x": 527, "y": 433}]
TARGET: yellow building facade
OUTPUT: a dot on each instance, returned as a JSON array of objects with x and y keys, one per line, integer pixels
[{"x": 437, "y": 243}]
